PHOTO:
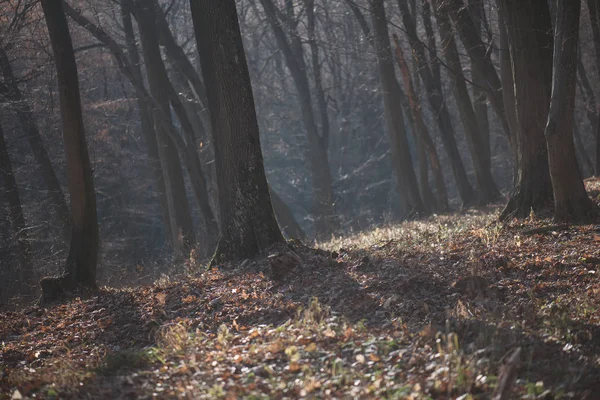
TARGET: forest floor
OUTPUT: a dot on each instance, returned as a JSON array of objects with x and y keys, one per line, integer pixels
[{"x": 455, "y": 306}]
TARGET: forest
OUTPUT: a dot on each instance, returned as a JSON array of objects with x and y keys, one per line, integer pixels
[{"x": 276, "y": 199}]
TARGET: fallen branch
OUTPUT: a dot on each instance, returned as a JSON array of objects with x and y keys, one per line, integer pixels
[
  {"x": 507, "y": 375},
  {"x": 544, "y": 229}
]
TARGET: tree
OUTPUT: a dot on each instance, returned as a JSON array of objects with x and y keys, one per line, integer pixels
[
  {"x": 571, "y": 202},
  {"x": 421, "y": 130},
  {"x": 15, "y": 210},
  {"x": 318, "y": 140},
  {"x": 182, "y": 230},
  {"x": 433, "y": 89},
  {"x": 474, "y": 132},
  {"x": 529, "y": 31},
  {"x": 401, "y": 157},
  {"x": 248, "y": 224},
  {"x": 80, "y": 267},
  {"x": 594, "y": 13},
  {"x": 10, "y": 90}
]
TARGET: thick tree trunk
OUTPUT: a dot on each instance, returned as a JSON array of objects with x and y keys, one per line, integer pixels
[
  {"x": 571, "y": 202},
  {"x": 433, "y": 88},
  {"x": 248, "y": 224},
  {"x": 17, "y": 220},
  {"x": 10, "y": 90},
  {"x": 401, "y": 157},
  {"x": 529, "y": 32},
  {"x": 421, "y": 130},
  {"x": 182, "y": 230},
  {"x": 478, "y": 146},
  {"x": 80, "y": 269}
]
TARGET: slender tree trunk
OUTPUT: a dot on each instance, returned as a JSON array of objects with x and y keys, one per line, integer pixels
[
  {"x": 401, "y": 157},
  {"x": 594, "y": 13},
  {"x": 479, "y": 95},
  {"x": 478, "y": 146},
  {"x": 287, "y": 222},
  {"x": 421, "y": 129},
  {"x": 248, "y": 224},
  {"x": 508, "y": 91},
  {"x": 10, "y": 90},
  {"x": 17, "y": 220},
  {"x": 476, "y": 49},
  {"x": 571, "y": 201},
  {"x": 584, "y": 159},
  {"x": 145, "y": 117},
  {"x": 183, "y": 237},
  {"x": 80, "y": 269},
  {"x": 325, "y": 219},
  {"x": 433, "y": 89},
  {"x": 530, "y": 36}
]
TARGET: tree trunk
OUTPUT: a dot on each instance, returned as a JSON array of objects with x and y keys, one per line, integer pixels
[
  {"x": 478, "y": 146},
  {"x": 508, "y": 91},
  {"x": 476, "y": 49},
  {"x": 529, "y": 32},
  {"x": 421, "y": 130},
  {"x": 433, "y": 89},
  {"x": 480, "y": 107},
  {"x": 183, "y": 237},
  {"x": 145, "y": 117},
  {"x": 80, "y": 269},
  {"x": 10, "y": 90},
  {"x": 325, "y": 219},
  {"x": 287, "y": 222},
  {"x": 594, "y": 12},
  {"x": 401, "y": 157},
  {"x": 248, "y": 224},
  {"x": 17, "y": 220},
  {"x": 571, "y": 202}
]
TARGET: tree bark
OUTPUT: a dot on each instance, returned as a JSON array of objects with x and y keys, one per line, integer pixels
[
  {"x": 248, "y": 224},
  {"x": 434, "y": 93},
  {"x": 401, "y": 157},
  {"x": 529, "y": 32},
  {"x": 10, "y": 90},
  {"x": 478, "y": 146},
  {"x": 182, "y": 230},
  {"x": 80, "y": 268},
  {"x": 571, "y": 201}
]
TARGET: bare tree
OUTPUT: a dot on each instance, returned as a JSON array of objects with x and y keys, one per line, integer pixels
[
  {"x": 80, "y": 268},
  {"x": 407, "y": 179}
]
